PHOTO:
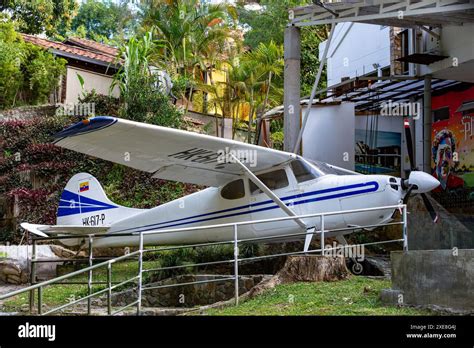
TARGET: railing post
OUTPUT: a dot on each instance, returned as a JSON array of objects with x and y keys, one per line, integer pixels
[
  {"x": 236, "y": 265},
  {"x": 40, "y": 300},
  {"x": 89, "y": 280},
  {"x": 140, "y": 271},
  {"x": 109, "y": 285},
  {"x": 322, "y": 234},
  {"x": 33, "y": 275},
  {"x": 405, "y": 235}
]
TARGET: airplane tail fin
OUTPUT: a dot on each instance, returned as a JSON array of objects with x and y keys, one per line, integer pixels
[{"x": 84, "y": 202}]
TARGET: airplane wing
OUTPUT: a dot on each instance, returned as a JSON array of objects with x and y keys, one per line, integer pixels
[
  {"x": 46, "y": 230},
  {"x": 168, "y": 153}
]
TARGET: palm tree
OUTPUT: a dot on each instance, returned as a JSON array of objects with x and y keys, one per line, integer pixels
[{"x": 266, "y": 63}]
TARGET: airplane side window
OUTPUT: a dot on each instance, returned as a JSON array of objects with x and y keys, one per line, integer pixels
[
  {"x": 302, "y": 171},
  {"x": 273, "y": 180},
  {"x": 233, "y": 190}
]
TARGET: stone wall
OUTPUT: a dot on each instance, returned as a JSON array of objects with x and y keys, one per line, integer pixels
[
  {"x": 27, "y": 112},
  {"x": 433, "y": 278},
  {"x": 189, "y": 295},
  {"x": 424, "y": 234}
]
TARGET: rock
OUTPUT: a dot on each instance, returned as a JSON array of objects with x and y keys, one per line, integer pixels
[
  {"x": 10, "y": 267},
  {"x": 62, "y": 252},
  {"x": 390, "y": 297},
  {"x": 13, "y": 279}
]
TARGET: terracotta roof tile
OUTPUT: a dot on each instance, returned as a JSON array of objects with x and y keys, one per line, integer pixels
[
  {"x": 77, "y": 51},
  {"x": 93, "y": 46}
]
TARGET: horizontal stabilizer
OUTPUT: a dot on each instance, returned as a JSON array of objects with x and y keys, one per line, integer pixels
[{"x": 45, "y": 230}]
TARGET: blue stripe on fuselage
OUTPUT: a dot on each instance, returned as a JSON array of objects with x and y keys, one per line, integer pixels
[{"x": 306, "y": 194}]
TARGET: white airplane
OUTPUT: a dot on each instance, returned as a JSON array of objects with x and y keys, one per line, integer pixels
[{"x": 246, "y": 182}]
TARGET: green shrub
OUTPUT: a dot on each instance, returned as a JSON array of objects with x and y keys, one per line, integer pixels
[
  {"x": 28, "y": 74},
  {"x": 105, "y": 105}
]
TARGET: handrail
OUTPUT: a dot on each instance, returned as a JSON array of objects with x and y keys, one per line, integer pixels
[
  {"x": 66, "y": 276},
  {"x": 235, "y": 241}
]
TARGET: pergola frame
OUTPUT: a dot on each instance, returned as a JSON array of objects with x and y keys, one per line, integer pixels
[{"x": 405, "y": 14}]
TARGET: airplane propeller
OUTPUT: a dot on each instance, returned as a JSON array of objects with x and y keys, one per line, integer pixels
[{"x": 418, "y": 181}]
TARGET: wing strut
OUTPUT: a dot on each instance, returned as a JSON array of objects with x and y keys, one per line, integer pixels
[{"x": 268, "y": 192}]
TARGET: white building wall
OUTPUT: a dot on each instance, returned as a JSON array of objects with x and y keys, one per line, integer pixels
[
  {"x": 354, "y": 48},
  {"x": 101, "y": 83},
  {"x": 329, "y": 135},
  {"x": 457, "y": 42}
]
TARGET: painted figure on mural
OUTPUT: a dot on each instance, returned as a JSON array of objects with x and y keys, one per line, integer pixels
[{"x": 443, "y": 149}]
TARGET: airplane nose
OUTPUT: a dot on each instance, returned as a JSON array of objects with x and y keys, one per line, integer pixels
[{"x": 424, "y": 182}]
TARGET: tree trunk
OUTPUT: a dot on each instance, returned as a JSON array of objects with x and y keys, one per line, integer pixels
[{"x": 313, "y": 268}]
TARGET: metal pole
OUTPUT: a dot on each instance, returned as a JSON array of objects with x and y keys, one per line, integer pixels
[
  {"x": 40, "y": 300},
  {"x": 109, "y": 285},
  {"x": 292, "y": 86},
  {"x": 33, "y": 275},
  {"x": 405, "y": 235},
  {"x": 140, "y": 271},
  {"x": 322, "y": 234},
  {"x": 236, "y": 265},
  {"x": 89, "y": 281},
  {"x": 427, "y": 125},
  {"x": 313, "y": 91}
]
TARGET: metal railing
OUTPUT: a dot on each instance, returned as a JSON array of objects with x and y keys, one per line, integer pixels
[{"x": 138, "y": 279}]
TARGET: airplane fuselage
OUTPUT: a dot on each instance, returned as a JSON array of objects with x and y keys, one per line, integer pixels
[{"x": 241, "y": 201}]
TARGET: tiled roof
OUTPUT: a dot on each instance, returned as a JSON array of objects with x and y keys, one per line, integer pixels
[
  {"x": 69, "y": 49},
  {"x": 93, "y": 45}
]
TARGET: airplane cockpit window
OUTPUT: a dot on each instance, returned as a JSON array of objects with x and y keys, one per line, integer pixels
[
  {"x": 303, "y": 172},
  {"x": 273, "y": 180},
  {"x": 233, "y": 190}
]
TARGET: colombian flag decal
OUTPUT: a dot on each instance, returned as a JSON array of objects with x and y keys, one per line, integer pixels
[{"x": 84, "y": 186}]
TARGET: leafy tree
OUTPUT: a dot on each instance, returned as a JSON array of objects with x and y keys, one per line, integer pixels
[
  {"x": 311, "y": 37},
  {"x": 141, "y": 92},
  {"x": 28, "y": 74},
  {"x": 195, "y": 35},
  {"x": 267, "y": 24},
  {"x": 103, "y": 21},
  {"x": 40, "y": 16}
]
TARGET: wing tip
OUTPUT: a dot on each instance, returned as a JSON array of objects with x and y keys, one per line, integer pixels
[{"x": 86, "y": 126}]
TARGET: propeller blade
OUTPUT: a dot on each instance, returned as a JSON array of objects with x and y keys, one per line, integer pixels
[
  {"x": 429, "y": 207},
  {"x": 407, "y": 194},
  {"x": 408, "y": 137}
]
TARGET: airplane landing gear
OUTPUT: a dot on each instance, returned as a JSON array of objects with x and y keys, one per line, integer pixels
[{"x": 357, "y": 267}]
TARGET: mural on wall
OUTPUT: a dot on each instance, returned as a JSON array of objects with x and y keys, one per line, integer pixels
[
  {"x": 377, "y": 152},
  {"x": 452, "y": 159}
]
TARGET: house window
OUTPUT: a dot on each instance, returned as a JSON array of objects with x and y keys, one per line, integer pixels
[
  {"x": 233, "y": 190},
  {"x": 273, "y": 180},
  {"x": 303, "y": 172},
  {"x": 441, "y": 114}
]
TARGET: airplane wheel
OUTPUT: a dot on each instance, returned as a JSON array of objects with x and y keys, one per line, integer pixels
[{"x": 357, "y": 268}]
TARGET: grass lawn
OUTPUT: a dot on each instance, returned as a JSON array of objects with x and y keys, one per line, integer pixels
[
  {"x": 354, "y": 296},
  {"x": 55, "y": 295}
]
